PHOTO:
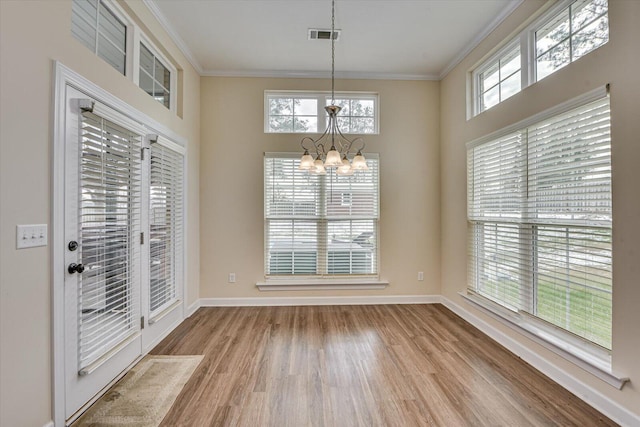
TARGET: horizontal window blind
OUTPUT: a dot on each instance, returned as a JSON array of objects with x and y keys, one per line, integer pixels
[
  {"x": 539, "y": 209},
  {"x": 165, "y": 226},
  {"x": 319, "y": 225},
  {"x": 108, "y": 309}
]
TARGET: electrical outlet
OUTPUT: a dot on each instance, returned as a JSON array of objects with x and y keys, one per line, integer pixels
[
  {"x": 420, "y": 276},
  {"x": 232, "y": 277},
  {"x": 30, "y": 236}
]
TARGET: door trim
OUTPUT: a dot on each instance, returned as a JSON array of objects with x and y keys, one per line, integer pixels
[{"x": 63, "y": 77}]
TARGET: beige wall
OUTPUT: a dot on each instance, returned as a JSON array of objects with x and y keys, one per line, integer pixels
[
  {"x": 231, "y": 192},
  {"x": 617, "y": 63},
  {"x": 32, "y": 35}
]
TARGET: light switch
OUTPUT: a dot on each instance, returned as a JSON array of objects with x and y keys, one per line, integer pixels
[{"x": 30, "y": 236}]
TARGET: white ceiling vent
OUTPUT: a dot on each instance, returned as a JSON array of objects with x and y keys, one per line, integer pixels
[{"x": 321, "y": 34}]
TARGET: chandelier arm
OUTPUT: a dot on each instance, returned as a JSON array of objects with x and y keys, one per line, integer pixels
[{"x": 307, "y": 138}]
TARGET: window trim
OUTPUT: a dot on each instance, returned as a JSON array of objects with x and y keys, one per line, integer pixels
[
  {"x": 526, "y": 37},
  {"x": 321, "y": 97}
]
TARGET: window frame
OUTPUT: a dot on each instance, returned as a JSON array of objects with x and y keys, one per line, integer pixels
[
  {"x": 588, "y": 355},
  {"x": 322, "y": 222},
  {"x": 129, "y": 54},
  {"x": 322, "y": 98},
  {"x": 526, "y": 38},
  {"x": 487, "y": 64},
  {"x": 133, "y": 37},
  {"x": 141, "y": 38}
]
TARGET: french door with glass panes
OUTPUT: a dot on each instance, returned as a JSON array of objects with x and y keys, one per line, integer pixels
[{"x": 123, "y": 245}]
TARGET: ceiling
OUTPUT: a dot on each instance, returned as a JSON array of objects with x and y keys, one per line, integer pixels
[{"x": 394, "y": 39}]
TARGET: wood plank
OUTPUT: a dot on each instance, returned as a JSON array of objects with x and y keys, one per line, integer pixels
[{"x": 386, "y": 365}]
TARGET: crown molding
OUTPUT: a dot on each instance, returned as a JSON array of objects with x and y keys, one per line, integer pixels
[
  {"x": 317, "y": 75},
  {"x": 173, "y": 34},
  {"x": 480, "y": 37},
  {"x": 182, "y": 45}
]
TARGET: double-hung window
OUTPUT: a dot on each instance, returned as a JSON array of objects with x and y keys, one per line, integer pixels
[
  {"x": 319, "y": 225},
  {"x": 539, "y": 212}
]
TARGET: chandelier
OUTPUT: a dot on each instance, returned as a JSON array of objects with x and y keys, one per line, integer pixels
[{"x": 337, "y": 156}]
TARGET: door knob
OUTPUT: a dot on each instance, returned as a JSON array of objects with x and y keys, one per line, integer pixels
[{"x": 75, "y": 268}]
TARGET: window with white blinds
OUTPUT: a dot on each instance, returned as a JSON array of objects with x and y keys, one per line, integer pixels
[
  {"x": 539, "y": 210},
  {"x": 110, "y": 211},
  {"x": 98, "y": 28},
  {"x": 319, "y": 225},
  {"x": 165, "y": 225}
]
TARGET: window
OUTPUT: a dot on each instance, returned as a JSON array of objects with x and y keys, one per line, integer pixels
[
  {"x": 309, "y": 230},
  {"x": 98, "y": 28},
  {"x": 575, "y": 31},
  {"x": 166, "y": 172},
  {"x": 154, "y": 77},
  {"x": 565, "y": 33},
  {"x": 499, "y": 78},
  {"x": 539, "y": 212},
  {"x": 303, "y": 112}
]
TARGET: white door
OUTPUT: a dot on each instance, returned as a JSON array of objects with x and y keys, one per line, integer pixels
[{"x": 103, "y": 260}]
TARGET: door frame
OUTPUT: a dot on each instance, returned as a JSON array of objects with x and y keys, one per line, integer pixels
[{"x": 63, "y": 77}]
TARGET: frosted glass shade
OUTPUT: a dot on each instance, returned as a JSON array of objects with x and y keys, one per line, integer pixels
[
  {"x": 333, "y": 158},
  {"x": 359, "y": 163},
  {"x": 306, "y": 162}
]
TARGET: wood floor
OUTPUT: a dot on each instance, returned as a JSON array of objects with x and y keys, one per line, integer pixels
[{"x": 387, "y": 365}]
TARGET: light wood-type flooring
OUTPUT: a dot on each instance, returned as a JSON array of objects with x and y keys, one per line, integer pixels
[{"x": 385, "y": 365}]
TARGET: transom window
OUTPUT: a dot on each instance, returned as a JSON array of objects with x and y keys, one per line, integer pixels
[
  {"x": 319, "y": 225},
  {"x": 154, "y": 77},
  {"x": 539, "y": 211},
  {"x": 568, "y": 31},
  {"x": 571, "y": 34},
  {"x": 499, "y": 78},
  {"x": 98, "y": 28},
  {"x": 303, "y": 112}
]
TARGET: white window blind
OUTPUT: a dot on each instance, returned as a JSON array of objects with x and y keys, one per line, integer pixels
[
  {"x": 165, "y": 226},
  {"x": 110, "y": 203},
  {"x": 98, "y": 28},
  {"x": 309, "y": 230},
  {"x": 539, "y": 208}
]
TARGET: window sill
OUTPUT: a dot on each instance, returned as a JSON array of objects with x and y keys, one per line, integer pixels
[
  {"x": 591, "y": 358},
  {"x": 321, "y": 284}
]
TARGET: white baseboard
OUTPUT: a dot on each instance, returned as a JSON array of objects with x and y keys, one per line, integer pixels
[
  {"x": 591, "y": 396},
  {"x": 49, "y": 424},
  {"x": 334, "y": 300},
  {"x": 192, "y": 308}
]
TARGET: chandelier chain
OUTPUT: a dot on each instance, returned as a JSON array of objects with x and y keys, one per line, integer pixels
[{"x": 333, "y": 50}]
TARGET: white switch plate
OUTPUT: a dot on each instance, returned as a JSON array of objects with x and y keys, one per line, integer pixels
[
  {"x": 30, "y": 236},
  {"x": 232, "y": 277},
  {"x": 420, "y": 276}
]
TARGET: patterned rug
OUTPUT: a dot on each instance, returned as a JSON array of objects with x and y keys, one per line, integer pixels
[{"x": 144, "y": 395}]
